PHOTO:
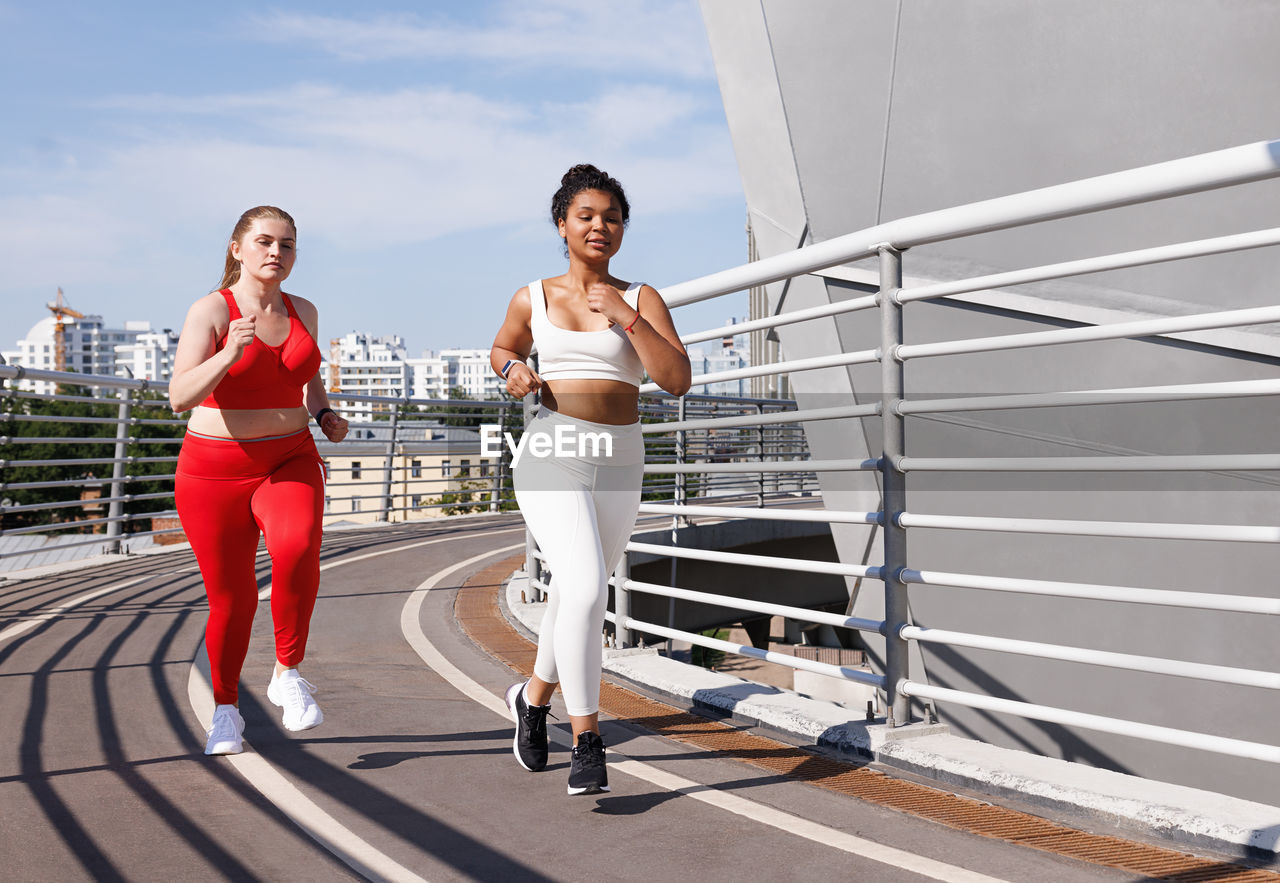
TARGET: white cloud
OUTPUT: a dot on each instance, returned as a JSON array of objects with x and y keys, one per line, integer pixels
[
  {"x": 610, "y": 37},
  {"x": 359, "y": 169}
]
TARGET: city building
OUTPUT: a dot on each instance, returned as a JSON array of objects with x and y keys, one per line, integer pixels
[
  {"x": 728, "y": 353},
  {"x": 432, "y": 470},
  {"x": 90, "y": 347},
  {"x": 361, "y": 364},
  {"x": 149, "y": 356},
  {"x": 433, "y": 376},
  {"x": 473, "y": 373}
]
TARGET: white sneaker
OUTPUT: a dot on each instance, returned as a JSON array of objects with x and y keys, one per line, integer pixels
[
  {"x": 226, "y": 734},
  {"x": 292, "y": 692}
]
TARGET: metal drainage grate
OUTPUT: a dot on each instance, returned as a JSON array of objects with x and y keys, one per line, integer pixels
[{"x": 476, "y": 609}]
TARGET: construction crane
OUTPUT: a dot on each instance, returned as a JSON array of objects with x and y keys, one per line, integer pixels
[
  {"x": 335, "y": 364},
  {"x": 61, "y": 312}
]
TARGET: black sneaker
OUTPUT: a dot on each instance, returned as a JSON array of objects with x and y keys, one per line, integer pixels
[
  {"x": 530, "y": 744},
  {"x": 587, "y": 774}
]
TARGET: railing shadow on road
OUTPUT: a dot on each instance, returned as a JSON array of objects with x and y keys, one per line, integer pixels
[
  {"x": 636, "y": 804},
  {"x": 112, "y": 725},
  {"x": 409, "y": 822},
  {"x": 378, "y": 760},
  {"x": 112, "y": 737}
]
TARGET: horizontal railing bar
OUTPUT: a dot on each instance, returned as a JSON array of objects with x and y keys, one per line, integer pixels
[
  {"x": 810, "y": 364},
  {"x": 1130, "y": 594},
  {"x": 752, "y": 420},
  {"x": 482, "y": 503},
  {"x": 58, "y": 418},
  {"x": 698, "y": 399},
  {"x": 795, "y": 565},
  {"x": 1165, "y": 735},
  {"x": 835, "y": 671},
  {"x": 1117, "y": 261},
  {"x": 779, "y": 319},
  {"x": 96, "y": 401},
  {"x": 84, "y": 440},
  {"x": 1243, "y": 677},
  {"x": 377, "y": 482},
  {"x": 96, "y": 539},
  {"x": 1179, "y": 177},
  {"x": 84, "y": 504},
  {"x": 88, "y": 522},
  {"x": 769, "y": 466},
  {"x": 70, "y": 378},
  {"x": 828, "y": 516},
  {"x": 80, "y": 482},
  {"x": 1128, "y": 529},
  {"x": 86, "y": 461},
  {"x": 1134, "y": 463},
  {"x": 801, "y": 613},
  {"x": 1141, "y": 328},
  {"x": 1067, "y": 399}
]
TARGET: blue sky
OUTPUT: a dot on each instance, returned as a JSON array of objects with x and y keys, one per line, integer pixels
[{"x": 416, "y": 144}]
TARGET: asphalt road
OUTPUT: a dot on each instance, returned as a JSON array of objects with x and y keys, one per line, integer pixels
[{"x": 102, "y": 775}]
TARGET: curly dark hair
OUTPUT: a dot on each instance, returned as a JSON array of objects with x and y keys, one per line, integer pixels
[{"x": 585, "y": 176}]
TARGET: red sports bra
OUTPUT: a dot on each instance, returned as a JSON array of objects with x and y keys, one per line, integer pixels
[{"x": 267, "y": 376}]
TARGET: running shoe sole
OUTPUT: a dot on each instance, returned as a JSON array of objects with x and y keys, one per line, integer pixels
[{"x": 512, "y": 692}]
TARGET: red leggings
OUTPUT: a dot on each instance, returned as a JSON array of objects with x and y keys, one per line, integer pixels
[{"x": 228, "y": 492}]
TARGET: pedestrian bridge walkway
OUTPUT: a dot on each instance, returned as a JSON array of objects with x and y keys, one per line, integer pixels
[
  {"x": 1089, "y": 578},
  {"x": 411, "y": 776}
]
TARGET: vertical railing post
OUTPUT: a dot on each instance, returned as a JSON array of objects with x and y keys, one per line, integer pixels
[
  {"x": 894, "y": 484},
  {"x": 682, "y": 494},
  {"x": 678, "y": 520},
  {"x": 115, "y": 527},
  {"x": 528, "y": 404},
  {"x": 760, "y": 441},
  {"x": 622, "y": 634},
  {"x": 531, "y": 566},
  {"x": 495, "y": 492},
  {"x": 388, "y": 464}
]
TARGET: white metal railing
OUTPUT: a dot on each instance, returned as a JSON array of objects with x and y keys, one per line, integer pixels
[
  {"x": 767, "y": 460},
  {"x": 888, "y": 241},
  {"x": 60, "y": 504}
]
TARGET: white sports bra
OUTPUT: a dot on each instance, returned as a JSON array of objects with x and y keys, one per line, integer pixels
[{"x": 577, "y": 355}]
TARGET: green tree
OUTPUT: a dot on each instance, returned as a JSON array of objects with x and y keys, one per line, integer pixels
[
  {"x": 60, "y": 439},
  {"x": 471, "y": 496}
]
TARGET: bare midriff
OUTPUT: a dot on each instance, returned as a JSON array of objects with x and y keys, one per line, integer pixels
[
  {"x": 598, "y": 401},
  {"x": 247, "y": 422}
]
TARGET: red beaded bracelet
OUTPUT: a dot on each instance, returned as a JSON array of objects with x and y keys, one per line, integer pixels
[{"x": 628, "y": 328}]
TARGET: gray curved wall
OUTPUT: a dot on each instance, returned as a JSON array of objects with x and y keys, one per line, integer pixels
[{"x": 845, "y": 113}]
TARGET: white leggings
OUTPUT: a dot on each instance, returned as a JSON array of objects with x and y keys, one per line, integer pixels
[{"x": 580, "y": 503}]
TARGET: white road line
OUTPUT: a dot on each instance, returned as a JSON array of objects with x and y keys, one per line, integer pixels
[
  {"x": 266, "y": 593},
  {"x": 27, "y": 625},
  {"x": 791, "y": 824},
  {"x": 356, "y": 852},
  {"x": 411, "y": 628}
]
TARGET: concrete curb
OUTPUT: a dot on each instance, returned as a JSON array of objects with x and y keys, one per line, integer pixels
[{"x": 1172, "y": 813}]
